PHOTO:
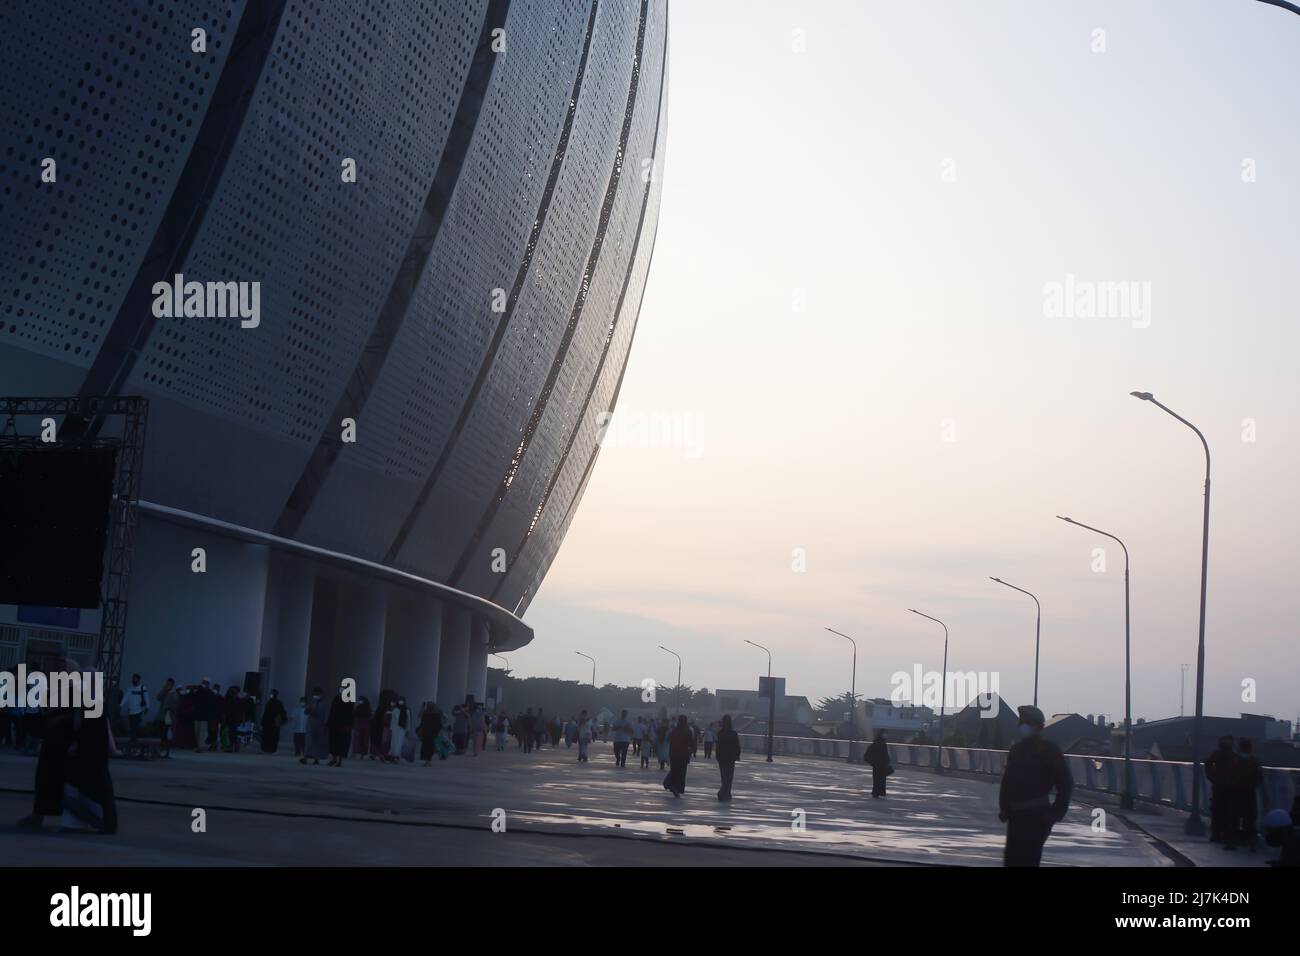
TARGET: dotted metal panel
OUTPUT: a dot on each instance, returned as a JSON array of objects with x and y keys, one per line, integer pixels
[
  {"x": 525, "y": 576},
  {"x": 344, "y": 81},
  {"x": 113, "y": 92},
  {"x": 542, "y": 312},
  {"x": 573, "y": 384},
  {"x": 450, "y": 321}
]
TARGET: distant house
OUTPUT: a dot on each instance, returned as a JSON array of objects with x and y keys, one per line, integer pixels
[
  {"x": 1076, "y": 734},
  {"x": 789, "y": 709},
  {"x": 1171, "y": 738},
  {"x": 993, "y": 727}
]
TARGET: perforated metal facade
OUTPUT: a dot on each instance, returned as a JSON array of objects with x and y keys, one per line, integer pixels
[{"x": 469, "y": 300}]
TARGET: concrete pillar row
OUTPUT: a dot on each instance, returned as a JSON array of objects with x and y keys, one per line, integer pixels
[
  {"x": 412, "y": 648},
  {"x": 360, "y": 629},
  {"x": 286, "y": 638},
  {"x": 476, "y": 672},
  {"x": 193, "y": 624},
  {"x": 454, "y": 656}
]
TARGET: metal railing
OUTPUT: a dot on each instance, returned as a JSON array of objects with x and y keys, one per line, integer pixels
[{"x": 1167, "y": 782}]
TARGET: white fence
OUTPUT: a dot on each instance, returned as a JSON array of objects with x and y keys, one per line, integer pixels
[{"x": 1159, "y": 781}]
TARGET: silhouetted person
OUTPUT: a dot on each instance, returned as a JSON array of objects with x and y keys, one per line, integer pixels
[
  {"x": 728, "y": 753},
  {"x": 340, "y": 720},
  {"x": 1034, "y": 768},
  {"x": 88, "y": 802},
  {"x": 1248, "y": 777},
  {"x": 273, "y": 716},
  {"x": 680, "y": 743},
  {"x": 1220, "y": 769},
  {"x": 877, "y": 756}
]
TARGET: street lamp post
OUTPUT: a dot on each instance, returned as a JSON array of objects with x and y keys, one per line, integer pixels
[
  {"x": 1038, "y": 626},
  {"x": 677, "y": 705},
  {"x": 771, "y": 698},
  {"x": 943, "y": 685},
  {"x": 853, "y": 693},
  {"x": 1194, "y": 826},
  {"x": 1126, "y": 801},
  {"x": 593, "y": 681},
  {"x": 504, "y": 658}
]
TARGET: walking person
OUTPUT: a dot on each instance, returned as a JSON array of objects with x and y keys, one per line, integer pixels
[
  {"x": 169, "y": 709},
  {"x": 429, "y": 729},
  {"x": 647, "y": 744},
  {"x": 273, "y": 717},
  {"x": 877, "y": 755},
  {"x": 1034, "y": 768},
  {"x": 710, "y": 737},
  {"x": 318, "y": 733},
  {"x": 584, "y": 736},
  {"x": 459, "y": 729},
  {"x": 401, "y": 725},
  {"x": 623, "y": 734},
  {"x": 1221, "y": 771},
  {"x": 728, "y": 754},
  {"x": 680, "y": 743},
  {"x": 1246, "y": 783},
  {"x": 135, "y": 703},
  {"x": 300, "y": 720},
  {"x": 88, "y": 803},
  {"x": 361, "y": 720},
  {"x": 341, "y": 718},
  {"x": 661, "y": 742},
  {"x": 502, "y": 729}
]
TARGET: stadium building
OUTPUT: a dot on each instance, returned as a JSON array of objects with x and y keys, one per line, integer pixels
[{"x": 376, "y": 267}]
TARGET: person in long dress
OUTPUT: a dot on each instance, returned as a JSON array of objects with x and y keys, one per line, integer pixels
[
  {"x": 361, "y": 729},
  {"x": 88, "y": 804},
  {"x": 318, "y": 734},
  {"x": 679, "y": 755},
  {"x": 340, "y": 720},
  {"x": 728, "y": 753},
  {"x": 877, "y": 755},
  {"x": 429, "y": 728},
  {"x": 273, "y": 716},
  {"x": 398, "y": 723}
]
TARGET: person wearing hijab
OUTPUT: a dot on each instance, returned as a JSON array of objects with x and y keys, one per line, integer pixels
[
  {"x": 318, "y": 734},
  {"x": 399, "y": 721},
  {"x": 273, "y": 716},
  {"x": 877, "y": 756},
  {"x": 340, "y": 720},
  {"x": 88, "y": 804},
  {"x": 430, "y": 727},
  {"x": 727, "y": 754},
  {"x": 361, "y": 729},
  {"x": 680, "y": 742}
]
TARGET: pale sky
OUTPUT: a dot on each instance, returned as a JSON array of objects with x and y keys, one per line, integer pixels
[{"x": 917, "y": 176}]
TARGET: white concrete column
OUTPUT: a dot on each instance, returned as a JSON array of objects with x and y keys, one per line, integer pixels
[
  {"x": 359, "y": 630},
  {"x": 411, "y": 648},
  {"x": 289, "y": 636},
  {"x": 476, "y": 672},
  {"x": 453, "y": 663},
  {"x": 190, "y": 624}
]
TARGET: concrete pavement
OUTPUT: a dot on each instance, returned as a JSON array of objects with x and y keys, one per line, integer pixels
[{"x": 269, "y": 809}]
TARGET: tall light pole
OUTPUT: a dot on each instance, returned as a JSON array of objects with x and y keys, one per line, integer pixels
[
  {"x": 504, "y": 658},
  {"x": 1194, "y": 825},
  {"x": 593, "y": 680},
  {"x": 853, "y": 693},
  {"x": 1182, "y": 693},
  {"x": 771, "y": 698},
  {"x": 1038, "y": 625},
  {"x": 678, "y": 689},
  {"x": 943, "y": 685},
  {"x": 1126, "y": 800}
]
